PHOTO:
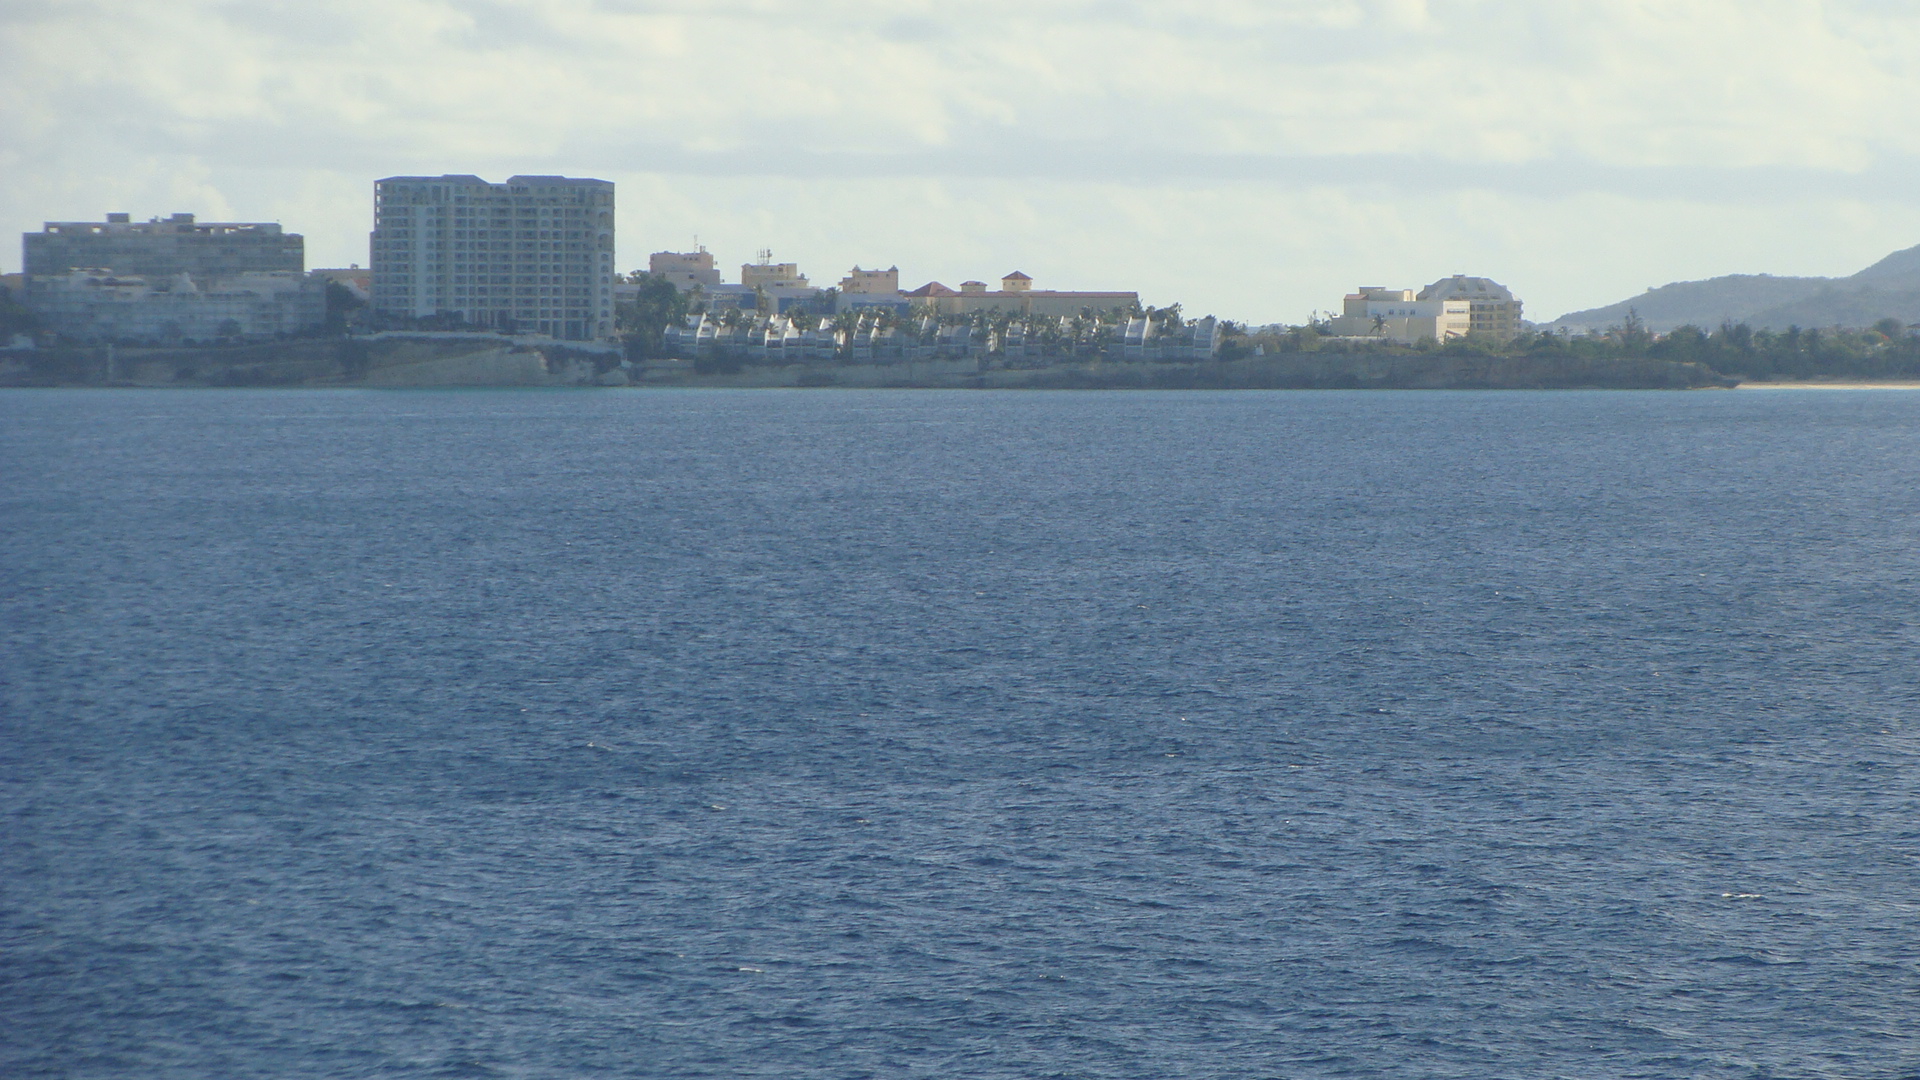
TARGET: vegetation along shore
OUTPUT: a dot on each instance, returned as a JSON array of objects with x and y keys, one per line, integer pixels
[{"x": 1091, "y": 356}]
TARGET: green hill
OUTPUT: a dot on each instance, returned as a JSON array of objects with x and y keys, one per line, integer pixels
[{"x": 1889, "y": 288}]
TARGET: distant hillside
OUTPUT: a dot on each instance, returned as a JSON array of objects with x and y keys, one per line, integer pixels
[{"x": 1888, "y": 288}]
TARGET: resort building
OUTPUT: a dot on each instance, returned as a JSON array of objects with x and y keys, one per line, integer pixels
[
  {"x": 1396, "y": 315},
  {"x": 871, "y": 289},
  {"x": 169, "y": 280},
  {"x": 1494, "y": 311},
  {"x": 687, "y": 270},
  {"x": 776, "y": 287},
  {"x": 773, "y": 275},
  {"x": 933, "y": 298},
  {"x": 161, "y": 248},
  {"x": 872, "y": 282},
  {"x": 90, "y": 306},
  {"x": 532, "y": 255},
  {"x": 763, "y": 286},
  {"x": 882, "y": 337},
  {"x": 1017, "y": 296}
]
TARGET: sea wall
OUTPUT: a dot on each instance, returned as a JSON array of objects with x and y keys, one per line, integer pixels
[{"x": 383, "y": 361}]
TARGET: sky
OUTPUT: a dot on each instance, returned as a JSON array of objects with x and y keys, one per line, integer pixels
[{"x": 1253, "y": 160}]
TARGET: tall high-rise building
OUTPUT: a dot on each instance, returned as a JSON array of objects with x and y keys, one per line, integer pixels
[{"x": 532, "y": 255}]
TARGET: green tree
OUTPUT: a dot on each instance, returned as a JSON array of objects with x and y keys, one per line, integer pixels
[
  {"x": 643, "y": 321},
  {"x": 1632, "y": 334},
  {"x": 343, "y": 309}
]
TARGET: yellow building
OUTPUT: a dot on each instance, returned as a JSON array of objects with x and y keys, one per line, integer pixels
[
  {"x": 1494, "y": 311},
  {"x": 772, "y": 275},
  {"x": 865, "y": 289},
  {"x": 1016, "y": 296},
  {"x": 871, "y": 282},
  {"x": 1397, "y": 315},
  {"x": 687, "y": 270}
]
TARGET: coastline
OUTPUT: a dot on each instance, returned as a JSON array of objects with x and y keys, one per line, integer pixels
[
  {"x": 473, "y": 361},
  {"x": 1836, "y": 384}
]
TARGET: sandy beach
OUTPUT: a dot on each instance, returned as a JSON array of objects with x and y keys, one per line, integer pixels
[{"x": 1850, "y": 385}]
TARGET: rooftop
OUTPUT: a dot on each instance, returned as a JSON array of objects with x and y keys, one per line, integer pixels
[{"x": 511, "y": 181}]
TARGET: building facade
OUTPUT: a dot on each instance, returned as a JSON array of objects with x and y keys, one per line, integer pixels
[
  {"x": 763, "y": 286},
  {"x": 532, "y": 255},
  {"x": 860, "y": 282},
  {"x": 1493, "y": 310},
  {"x": 1017, "y": 296},
  {"x": 773, "y": 275},
  {"x": 687, "y": 270},
  {"x": 777, "y": 287},
  {"x": 877, "y": 337},
  {"x": 1399, "y": 316},
  {"x": 161, "y": 248},
  {"x": 169, "y": 280},
  {"x": 93, "y": 306},
  {"x": 862, "y": 289}
]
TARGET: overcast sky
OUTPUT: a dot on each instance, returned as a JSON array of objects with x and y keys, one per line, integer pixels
[{"x": 1250, "y": 159}]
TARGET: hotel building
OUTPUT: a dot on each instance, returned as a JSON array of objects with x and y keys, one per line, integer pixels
[
  {"x": 1397, "y": 315},
  {"x": 162, "y": 247},
  {"x": 532, "y": 255},
  {"x": 169, "y": 280},
  {"x": 1016, "y": 295},
  {"x": 1494, "y": 311}
]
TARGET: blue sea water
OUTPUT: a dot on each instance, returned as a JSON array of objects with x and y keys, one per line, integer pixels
[{"x": 948, "y": 734}]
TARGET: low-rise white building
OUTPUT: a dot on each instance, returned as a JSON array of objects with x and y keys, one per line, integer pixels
[{"x": 96, "y": 306}]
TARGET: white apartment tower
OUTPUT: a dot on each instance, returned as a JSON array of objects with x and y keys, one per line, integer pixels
[{"x": 532, "y": 255}]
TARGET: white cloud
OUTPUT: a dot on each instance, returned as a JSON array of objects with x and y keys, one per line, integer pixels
[{"x": 1252, "y": 158}]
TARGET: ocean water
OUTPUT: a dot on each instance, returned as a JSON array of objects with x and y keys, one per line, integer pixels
[{"x": 944, "y": 734}]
